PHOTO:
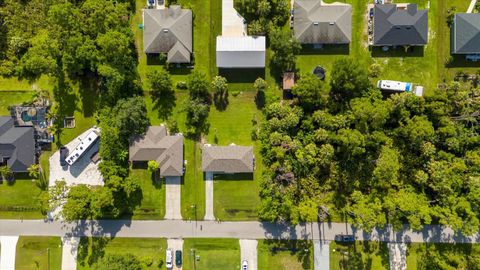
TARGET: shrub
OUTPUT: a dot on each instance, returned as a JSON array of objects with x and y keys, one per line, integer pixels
[{"x": 182, "y": 85}]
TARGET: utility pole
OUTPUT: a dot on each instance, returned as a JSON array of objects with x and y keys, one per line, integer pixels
[{"x": 48, "y": 258}]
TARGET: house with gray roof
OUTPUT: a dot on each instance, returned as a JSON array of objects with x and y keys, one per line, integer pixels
[
  {"x": 465, "y": 33},
  {"x": 400, "y": 25},
  {"x": 156, "y": 145},
  {"x": 168, "y": 31},
  {"x": 17, "y": 145},
  {"x": 317, "y": 23},
  {"x": 227, "y": 159}
]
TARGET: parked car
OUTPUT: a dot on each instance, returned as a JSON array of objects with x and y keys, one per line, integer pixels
[
  {"x": 151, "y": 3},
  {"x": 63, "y": 155},
  {"x": 178, "y": 258},
  {"x": 169, "y": 259},
  {"x": 371, "y": 13},
  {"x": 244, "y": 265},
  {"x": 345, "y": 238}
]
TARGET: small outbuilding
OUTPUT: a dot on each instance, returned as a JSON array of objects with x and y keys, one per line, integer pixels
[{"x": 241, "y": 52}]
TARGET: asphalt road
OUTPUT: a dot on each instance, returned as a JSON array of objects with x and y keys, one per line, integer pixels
[{"x": 213, "y": 229}]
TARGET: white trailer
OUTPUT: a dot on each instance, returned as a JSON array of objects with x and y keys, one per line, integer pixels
[
  {"x": 82, "y": 147},
  {"x": 396, "y": 86}
]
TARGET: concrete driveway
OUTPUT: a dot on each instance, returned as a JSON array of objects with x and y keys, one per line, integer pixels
[
  {"x": 175, "y": 244},
  {"x": 398, "y": 256},
  {"x": 321, "y": 255},
  {"x": 173, "y": 197},
  {"x": 209, "y": 196},
  {"x": 69, "y": 252},
  {"x": 248, "y": 251},
  {"x": 9, "y": 247}
]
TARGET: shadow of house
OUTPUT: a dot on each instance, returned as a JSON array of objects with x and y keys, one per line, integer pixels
[
  {"x": 399, "y": 25},
  {"x": 244, "y": 75},
  {"x": 398, "y": 51}
]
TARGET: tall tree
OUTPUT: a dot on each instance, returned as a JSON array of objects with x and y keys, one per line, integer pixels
[
  {"x": 220, "y": 92},
  {"x": 162, "y": 93},
  {"x": 348, "y": 80}
]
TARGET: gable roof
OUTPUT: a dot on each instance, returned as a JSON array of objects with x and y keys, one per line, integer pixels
[
  {"x": 156, "y": 145},
  {"x": 17, "y": 145},
  {"x": 466, "y": 33},
  {"x": 317, "y": 23},
  {"x": 399, "y": 27},
  {"x": 227, "y": 159},
  {"x": 168, "y": 29}
]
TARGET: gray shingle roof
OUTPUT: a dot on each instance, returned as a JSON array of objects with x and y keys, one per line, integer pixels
[
  {"x": 168, "y": 29},
  {"x": 315, "y": 23},
  {"x": 227, "y": 159},
  {"x": 17, "y": 144},
  {"x": 164, "y": 149},
  {"x": 466, "y": 33},
  {"x": 400, "y": 27}
]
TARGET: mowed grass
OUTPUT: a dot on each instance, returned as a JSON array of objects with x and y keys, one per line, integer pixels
[
  {"x": 10, "y": 98},
  {"x": 38, "y": 252},
  {"x": 360, "y": 255},
  {"x": 416, "y": 253},
  {"x": 236, "y": 197},
  {"x": 20, "y": 200},
  {"x": 153, "y": 195},
  {"x": 150, "y": 251},
  {"x": 213, "y": 254},
  {"x": 285, "y": 255},
  {"x": 14, "y": 84}
]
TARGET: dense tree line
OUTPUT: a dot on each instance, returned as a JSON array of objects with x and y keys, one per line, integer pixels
[
  {"x": 377, "y": 159},
  {"x": 262, "y": 15},
  {"x": 80, "y": 39}
]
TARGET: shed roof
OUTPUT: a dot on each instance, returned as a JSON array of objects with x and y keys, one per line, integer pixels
[
  {"x": 156, "y": 145},
  {"x": 317, "y": 23},
  {"x": 399, "y": 27},
  {"x": 168, "y": 29},
  {"x": 227, "y": 159},
  {"x": 466, "y": 33}
]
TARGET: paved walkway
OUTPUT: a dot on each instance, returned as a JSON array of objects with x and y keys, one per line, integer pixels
[
  {"x": 239, "y": 230},
  {"x": 209, "y": 196},
  {"x": 398, "y": 256},
  {"x": 69, "y": 252},
  {"x": 248, "y": 251},
  {"x": 472, "y": 6},
  {"x": 173, "y": 198},
  {"x": 321, "y": 254},
  {"x": 175, "y": 244},
  {"x": 8, "y": 244}
]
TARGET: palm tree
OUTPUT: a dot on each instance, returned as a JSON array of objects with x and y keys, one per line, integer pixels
[
  {"x": 34, "y": 171},
  {"x": 5, "y": 171}
]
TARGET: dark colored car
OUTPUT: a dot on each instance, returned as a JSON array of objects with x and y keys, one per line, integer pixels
[
  {"x": 63, "y": 155},
  {"x": 371, "y": 13},
  {"x": 345, "y": 238},
  {"x": 178, "y": 258}
]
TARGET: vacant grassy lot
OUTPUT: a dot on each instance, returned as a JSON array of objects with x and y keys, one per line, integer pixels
[
  {"x": 150, "y": 251},
  {"x": 360, "y": 255},
  {"x": 35, "y": 252},
  {"x": 20, "y": 200},
  {"x": 153, "y": 195},
  {"x": 274, "y": 254},
  {"x": 212, "y": 253}
]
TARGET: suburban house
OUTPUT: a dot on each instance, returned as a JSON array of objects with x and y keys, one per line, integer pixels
[
  {"x": 168, "y": 31},
  {"x": 465, "y": 34},
  {"x": 400, "y": 25},
  {"x": 17, "y": 145},
  {"x": 228, "y": 159},
  {"x": 315, "y": 22},
  {"x": 156, "y": 145},
  {"x": 234, "y": 48}
]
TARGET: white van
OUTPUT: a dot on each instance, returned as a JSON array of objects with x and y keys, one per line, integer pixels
[{"x": 169, "y": 258}]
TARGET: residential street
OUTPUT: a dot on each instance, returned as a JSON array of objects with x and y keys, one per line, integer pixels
[{"x": 213, "y": 229}]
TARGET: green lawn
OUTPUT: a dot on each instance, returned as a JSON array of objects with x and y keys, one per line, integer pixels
[
  {"x": 153, "y": 192},
  {"x": 35, "y": 252},
  {"x": 13, "y": 84},
  {"x": 287, "y": 255},
  {"x": 10, "y": 98},
  {"x": 212, "y": 253},
  {"x": 20, "y": 200},
  {"x": 456, "y": 255},
  {"x": 360, "y": 255},
  {"x": 150, "y": 251}
]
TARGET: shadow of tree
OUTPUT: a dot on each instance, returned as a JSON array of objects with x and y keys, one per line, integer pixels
[{"x": 165, "y": 105}]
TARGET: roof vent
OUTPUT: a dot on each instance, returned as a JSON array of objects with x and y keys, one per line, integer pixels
[
  {"x": 315, "y": 23},
  {"x": 398, "y": 27},
  {"x": 332, "y": 23},
  {"x": 165, "y": 30},
  {"x": 408, "y": 27}
]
